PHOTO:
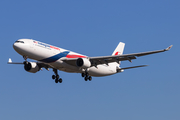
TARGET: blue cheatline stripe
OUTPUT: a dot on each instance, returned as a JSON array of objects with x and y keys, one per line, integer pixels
[{"x": 55, "y": 57}]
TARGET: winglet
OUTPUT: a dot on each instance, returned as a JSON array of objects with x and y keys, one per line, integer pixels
[
  {"x": 10, "y": 61},
  {"x": 169, "y": 48}
]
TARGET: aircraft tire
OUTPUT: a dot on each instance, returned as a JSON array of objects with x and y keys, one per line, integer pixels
[
  {"x": 60, "y": 80},
  {"x": 90, "y": 78},
  {"x": 56, "y": 80},
  {"x": 82, "y": 74},
  {"x": 86, "y": 78},
  {"x": 53, "y": 77},
  {"x": 57, "y": 76}
]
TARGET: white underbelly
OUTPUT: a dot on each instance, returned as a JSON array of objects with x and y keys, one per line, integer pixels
[{"x": 102, "y": 70}]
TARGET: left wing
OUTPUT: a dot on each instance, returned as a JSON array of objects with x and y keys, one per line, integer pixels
[
  {"x": 116, "y": 58},
  {"x": 10, "y": 62},
  {"x": 40, "y": 64}
]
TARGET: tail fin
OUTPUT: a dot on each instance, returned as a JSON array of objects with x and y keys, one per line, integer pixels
[{"x": 119, "y": 49}]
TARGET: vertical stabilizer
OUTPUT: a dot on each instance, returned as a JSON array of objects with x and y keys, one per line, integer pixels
[{"x": 119, "y": 49}]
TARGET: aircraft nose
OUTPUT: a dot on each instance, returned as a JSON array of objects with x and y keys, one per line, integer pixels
[
  {"x": 20, "y": 46},
  {"x": 15, "y": 46}
]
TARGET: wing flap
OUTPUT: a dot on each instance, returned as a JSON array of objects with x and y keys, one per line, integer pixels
[{"x": 109, "y": 59}]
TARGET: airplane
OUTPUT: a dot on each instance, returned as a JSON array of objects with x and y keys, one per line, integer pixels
[{"x": 49, "y": 56}]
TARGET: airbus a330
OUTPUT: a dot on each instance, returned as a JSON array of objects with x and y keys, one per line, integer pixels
[{"x": 49, "y": 56}]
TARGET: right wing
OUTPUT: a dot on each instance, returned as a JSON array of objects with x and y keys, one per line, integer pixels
[{"x": 116, "y": 58}]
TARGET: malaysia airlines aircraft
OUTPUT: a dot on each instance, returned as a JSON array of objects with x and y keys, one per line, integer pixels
[{"x": 49, "y": 56}]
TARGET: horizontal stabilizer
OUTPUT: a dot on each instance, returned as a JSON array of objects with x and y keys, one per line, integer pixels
[
  {"x": 134, "y": 67},
  {"x": 122, "y": 69}
]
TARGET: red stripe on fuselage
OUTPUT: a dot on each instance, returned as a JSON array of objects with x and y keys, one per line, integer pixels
[{"x": 75, "y": 56}]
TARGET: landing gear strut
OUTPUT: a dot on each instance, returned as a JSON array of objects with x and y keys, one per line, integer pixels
[
  {"x": 56, "y": 76},
  {"x": 25, "y": 58},
  {"x": 86, "y": 76}
]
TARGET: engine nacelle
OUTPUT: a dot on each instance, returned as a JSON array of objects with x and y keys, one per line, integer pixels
[
  {"x": 31, "y": 67},
  {"x": 83, "y": 63}
]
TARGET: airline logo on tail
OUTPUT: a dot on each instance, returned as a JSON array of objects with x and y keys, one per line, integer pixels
[
  {"x": 118, "y": 53},
  {"x": 119, "y": 49}
]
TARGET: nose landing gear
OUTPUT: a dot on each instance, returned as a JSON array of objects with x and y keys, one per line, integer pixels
[
  {"x": 25, "y": 57},
  {"x": 56, "y": 77}
]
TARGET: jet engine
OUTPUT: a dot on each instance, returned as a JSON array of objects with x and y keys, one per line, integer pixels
[
  {"x": 83, "y": 63},
  {"x": 31, "y": 67}
]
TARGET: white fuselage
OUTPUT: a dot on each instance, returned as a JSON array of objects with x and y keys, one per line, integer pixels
[{"x": 53, "y": 56}]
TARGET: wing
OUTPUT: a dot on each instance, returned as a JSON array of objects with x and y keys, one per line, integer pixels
[
  {"x": 109, "y": 59},
  {"x": 117, "y": 58},
  {"x": 10, "y": 62},
  {"x": 40, "y": 64}
]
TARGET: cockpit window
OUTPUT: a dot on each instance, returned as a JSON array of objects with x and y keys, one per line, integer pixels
[{"x": 19, "y": 42}]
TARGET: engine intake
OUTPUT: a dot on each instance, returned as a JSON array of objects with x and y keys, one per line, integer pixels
[
  {"x": 83, "y": 63},
  {"x": 31, "y": 67}
]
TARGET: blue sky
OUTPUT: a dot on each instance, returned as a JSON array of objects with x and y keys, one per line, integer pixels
[{"x": 93, "y": 28}]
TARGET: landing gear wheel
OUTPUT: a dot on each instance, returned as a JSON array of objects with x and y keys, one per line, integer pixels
[
  {"x": 90, "y": 78},
  {"x": 53, "y": 77},
  {"x": 56, "y": 81},
  {"x": 57, "y": 76},
  {"x": 86, "y": 78},
  {"x": 60, "y": 80},
  {"x": 82, "y": 74}
]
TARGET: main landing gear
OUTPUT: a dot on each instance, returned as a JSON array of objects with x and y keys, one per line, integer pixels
[
  {"x": 56, "y": 77},
  {"x": 86, "y": 76}
]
